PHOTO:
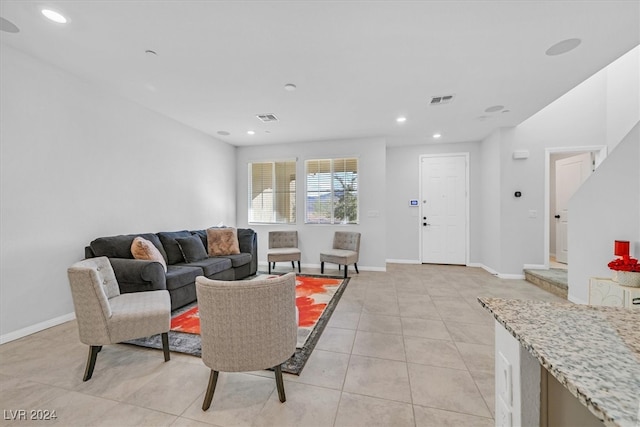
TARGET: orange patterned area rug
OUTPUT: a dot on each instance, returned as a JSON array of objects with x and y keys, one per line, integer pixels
[
  {"x": 316, "y": 298},
  {"x": 313, "y": 294}
]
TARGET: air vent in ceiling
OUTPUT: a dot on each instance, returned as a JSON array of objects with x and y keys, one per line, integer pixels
[
  {"x": 267, "y": 117},
  {"x": 441, "y": 99}
]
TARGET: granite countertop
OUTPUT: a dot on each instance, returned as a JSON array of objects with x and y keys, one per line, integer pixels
[{"x": 594, "y": 351}]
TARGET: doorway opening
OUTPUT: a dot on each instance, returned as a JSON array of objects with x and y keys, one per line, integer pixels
[
  {"x": 566, "y": 168},
  {"x": 444, "y": 209}
]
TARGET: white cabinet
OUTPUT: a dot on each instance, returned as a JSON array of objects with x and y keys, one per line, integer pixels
[{"x": 607, "y": 292}]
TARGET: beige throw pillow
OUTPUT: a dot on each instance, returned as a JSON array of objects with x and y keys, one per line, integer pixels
[
  {"x": 223, "y": 241},
  {"x": 143, "y": 249}
]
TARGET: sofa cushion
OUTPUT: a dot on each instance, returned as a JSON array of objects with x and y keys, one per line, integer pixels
[
  {"x": 203, "y": 236},
  {"x": 246, "y": 239},
  {"x": 238, "y": 260},
  {"x": 211, "y": 266},
  {"x": 120, "y": 246},
  {"x": 171, "y": 247},
  {"x": 181, "y": 275},
  {"x": 192, "y": 248},
  {"x": 141, "y": 248},
  {"x": 222, "y": 241}
]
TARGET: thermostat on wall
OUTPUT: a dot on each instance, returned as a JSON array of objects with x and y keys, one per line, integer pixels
[{"x": 413, "y": 202}]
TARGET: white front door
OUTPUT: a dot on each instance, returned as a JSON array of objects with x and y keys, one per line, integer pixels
[
  {"x": 443, "y": 209},
  {"x": 570, "y": 174}
]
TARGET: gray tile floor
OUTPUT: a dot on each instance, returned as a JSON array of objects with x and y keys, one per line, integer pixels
[{"x": 408, "y": 347}]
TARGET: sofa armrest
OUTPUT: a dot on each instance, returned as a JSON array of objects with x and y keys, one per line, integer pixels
[
  {"x": 248, "y": 242},
  {"x": 136, "y": 275}
]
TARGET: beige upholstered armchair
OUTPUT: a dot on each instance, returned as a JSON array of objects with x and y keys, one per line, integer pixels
[
  {"x": 246, "y": 325},
  {"x": 345, "y": 251},
  {"x": 106, "y": 317},
  {"x": 283, "y": 246}
]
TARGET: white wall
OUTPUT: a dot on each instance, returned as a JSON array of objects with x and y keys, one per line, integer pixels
[
  {"x": 403, "y": 183},
  {"x": 314, "y": 237},
  {"x": 579, "y": 118},
  {"x": 623, "y": 96},
  {"x": 606, "y": 208},
  {"x": 78, "y": 163},
  {"x": 490, "y": 192}
]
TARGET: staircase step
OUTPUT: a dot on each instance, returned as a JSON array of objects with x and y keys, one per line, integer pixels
[{"x": 553, "y": 280}]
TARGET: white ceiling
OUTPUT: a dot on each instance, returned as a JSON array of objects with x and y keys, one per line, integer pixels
[{"x": 357, "y": 64}]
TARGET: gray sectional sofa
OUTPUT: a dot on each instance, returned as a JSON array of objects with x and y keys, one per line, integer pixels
[{"x": 136, "y": 275}]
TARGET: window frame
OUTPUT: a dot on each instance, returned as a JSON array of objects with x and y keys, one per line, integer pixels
[
  {"x": 332, "y": 221},
  {"x": 293, "y": 214}
]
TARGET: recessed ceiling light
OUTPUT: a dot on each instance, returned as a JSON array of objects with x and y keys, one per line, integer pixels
[
  {"x": 290, "y": 87},
  {"x": 223, "y": 133},
  {"x": 401, "y": 119},
  {"x": 8, "y": 26},
  {"x": 494, "y": 109},
  {"x": 563, "y": 47},
  {"x": 251, "y": 132},
  {"x": 436, "y": 135},
  {"x": 54, "y": 16}
]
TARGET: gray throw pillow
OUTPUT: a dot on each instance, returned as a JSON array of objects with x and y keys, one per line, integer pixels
[{"x": 192, "y": 248}]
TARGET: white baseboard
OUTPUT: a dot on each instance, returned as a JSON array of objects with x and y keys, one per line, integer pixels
[
  {"x": 12, "y": 336},
  {"x": 576, "y": 300},
  {"x": 535, "y": 267},
  {"x": 511, "y": 276},
  {"x": 484, "y": 267},
  {"x": 495, "y": 273},
  {"x": 477, "y": 265},
  {"x": 403, "y": 261}
]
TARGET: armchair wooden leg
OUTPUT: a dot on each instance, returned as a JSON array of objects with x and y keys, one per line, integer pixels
[
  {"x": 355, "y": 264},
  {"x": 346, "y": 267},
  {"x": 280, "y": 384},
  {"x": 213, "y": 379},
  {"x": 269, "y": 262},
  {"x": 165, "y": 346},
  {"x": 321, "y": 267},
  {"x": 293, "y": 265},
  {"x": 91, "y": 361},
  {"x": 299, "y": 270}
]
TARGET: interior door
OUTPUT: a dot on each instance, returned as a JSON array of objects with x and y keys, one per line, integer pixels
[
  {"x": 443, "y": 209},
  {"x": 571, "y": 172}
]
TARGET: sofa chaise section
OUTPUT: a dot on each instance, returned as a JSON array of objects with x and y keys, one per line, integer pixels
[{"x": 136, "y": 275}]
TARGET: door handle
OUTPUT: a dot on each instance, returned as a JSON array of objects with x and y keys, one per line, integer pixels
[
  {"x": 557, "y": 217},
  {"x": 425, "y": 224}
]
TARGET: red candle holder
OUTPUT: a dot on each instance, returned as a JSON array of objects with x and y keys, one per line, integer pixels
[{"x": 621, "y": 248}]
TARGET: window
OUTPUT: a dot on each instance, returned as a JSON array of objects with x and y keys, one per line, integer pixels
[
  {"x": 272, "y": 192},
  {"x": 332, "y": 191}
]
